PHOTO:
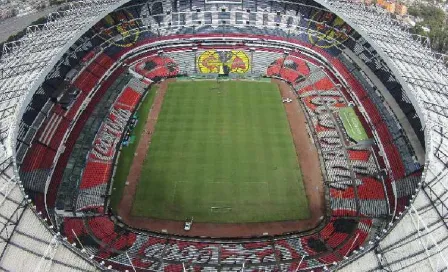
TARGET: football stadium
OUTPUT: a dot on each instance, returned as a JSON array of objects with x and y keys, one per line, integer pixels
[{"x": 222, "y": 135}]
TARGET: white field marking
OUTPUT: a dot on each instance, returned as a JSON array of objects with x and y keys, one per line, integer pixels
[
  {"x": 269, "y": 191},
  {"x": 174, "y": 191}
]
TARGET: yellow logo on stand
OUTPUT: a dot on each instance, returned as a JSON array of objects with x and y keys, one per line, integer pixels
[
  {"x": 218, "y": 62},
  {"x": 127, "y": 29},
  {"x": 331, "y": 30}
]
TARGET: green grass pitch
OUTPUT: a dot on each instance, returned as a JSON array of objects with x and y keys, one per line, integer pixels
[
  {"x": 222, "y": 152},
  {"x": 352, "y": 125}
]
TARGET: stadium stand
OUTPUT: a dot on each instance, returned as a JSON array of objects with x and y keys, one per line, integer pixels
[
  {"x": 85, "y": 141},
  {"x": 98, "y": 167}
]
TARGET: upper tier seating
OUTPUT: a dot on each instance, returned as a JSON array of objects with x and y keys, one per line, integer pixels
[{"x": 89, "y": 77}]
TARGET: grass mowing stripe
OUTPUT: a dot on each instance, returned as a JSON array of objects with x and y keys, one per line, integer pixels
[{"x": 127, "y": 152}]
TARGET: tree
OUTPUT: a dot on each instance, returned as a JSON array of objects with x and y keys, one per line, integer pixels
[{"x": 436, "y": 20}]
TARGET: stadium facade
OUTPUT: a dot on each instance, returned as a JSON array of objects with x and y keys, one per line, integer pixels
[{"x": 410, "y": 236}]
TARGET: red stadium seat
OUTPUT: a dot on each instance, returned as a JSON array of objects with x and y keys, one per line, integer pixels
[{"x": 95, "y": 173}]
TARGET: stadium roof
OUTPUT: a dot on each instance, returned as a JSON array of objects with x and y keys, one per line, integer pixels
[{"x": 419, "y": 241}]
